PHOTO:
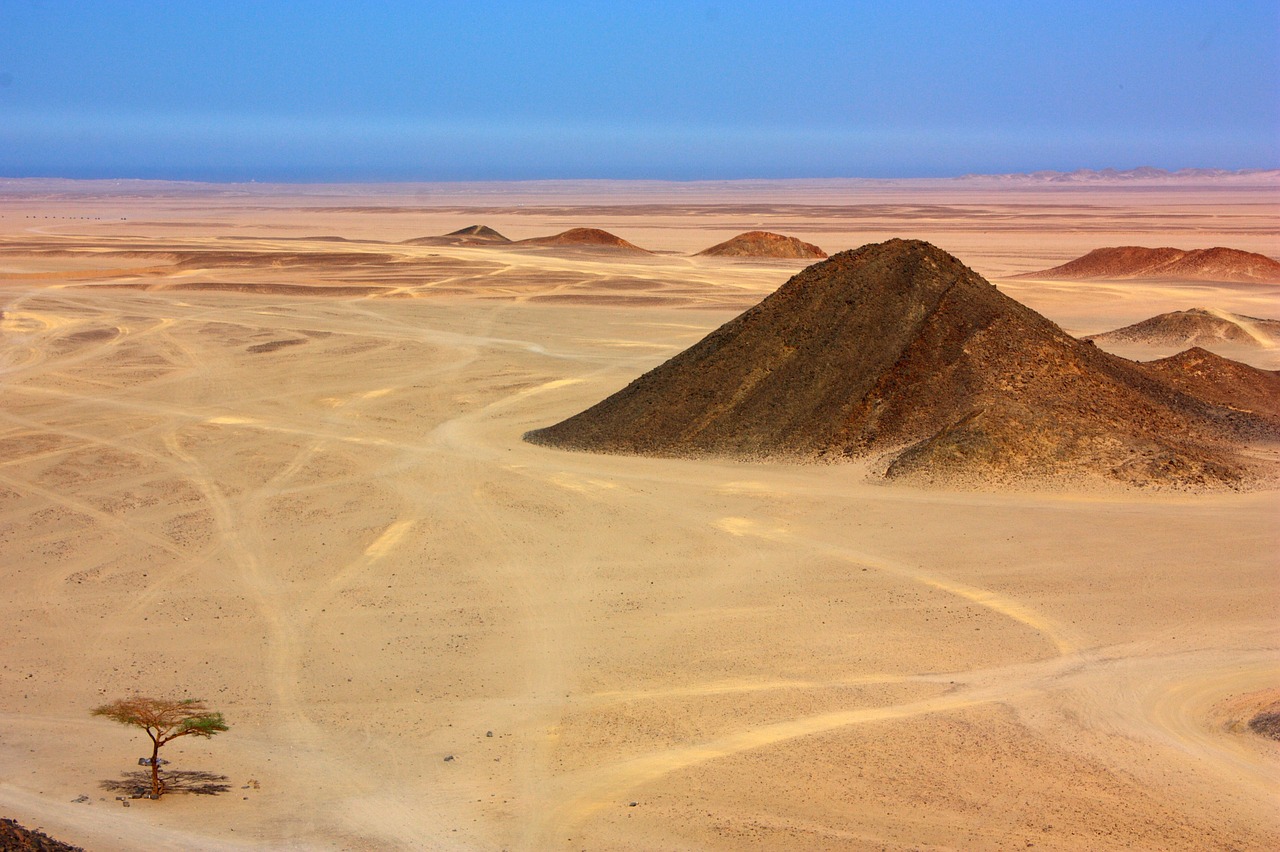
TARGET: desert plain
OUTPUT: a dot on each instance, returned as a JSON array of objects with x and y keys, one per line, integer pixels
[{"x": 256, "y": 449}]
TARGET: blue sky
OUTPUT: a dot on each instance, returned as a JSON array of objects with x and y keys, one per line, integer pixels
[{"x": 328, "y": 91}]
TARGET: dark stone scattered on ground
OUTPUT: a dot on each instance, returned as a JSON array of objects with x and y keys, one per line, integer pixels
[{"x": 1266, "y": 724}]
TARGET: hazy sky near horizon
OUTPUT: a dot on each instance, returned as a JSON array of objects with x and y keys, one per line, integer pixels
[{"x": 329, "y": 91}]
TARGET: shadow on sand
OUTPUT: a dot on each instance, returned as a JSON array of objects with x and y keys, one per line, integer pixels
[{"x": 138, "y": 783}]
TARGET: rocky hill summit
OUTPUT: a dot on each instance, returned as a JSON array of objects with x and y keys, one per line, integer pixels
[
  {"x": 1197, "y": 326},
  {"x": 764, "y": 244},
  {"x": 899, "y": 352},
  {"x": 1167, "y": 264}
]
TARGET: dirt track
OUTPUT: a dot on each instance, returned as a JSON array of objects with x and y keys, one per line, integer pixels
[{"x": 315, "y": 511}]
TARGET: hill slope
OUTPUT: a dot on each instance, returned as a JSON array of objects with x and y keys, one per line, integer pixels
[
  {"x": 584, "y": 237},
  {"x": 472, "y": 235},
  {"x": 1222, "y": 381},
  {"x": 899, "y": 350},
  {"x": 764, "y": 244},
  {"x": 1160, "y": 264},
  {"x": 1196, "y": 326}
]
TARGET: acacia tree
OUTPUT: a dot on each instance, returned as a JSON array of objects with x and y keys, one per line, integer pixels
[{"x": 164, "y": 719}]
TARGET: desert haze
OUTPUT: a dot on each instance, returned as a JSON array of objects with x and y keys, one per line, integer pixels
[{"x": 263, "y": 446}]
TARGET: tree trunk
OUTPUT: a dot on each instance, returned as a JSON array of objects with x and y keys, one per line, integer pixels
[{"x": 155, "y": 767}]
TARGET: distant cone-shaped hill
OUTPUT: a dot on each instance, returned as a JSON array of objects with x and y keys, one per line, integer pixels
[
  {"x": 472, "y": 235},
  {"x": 479, "y": 232},
  {"x": 899, "y": 351},
  {"x": 1167, "y": 264},
  {"x": 1197, "y": 326},
  {"x": 584, "y": 237},
  {"x": 764, "y": 244}
]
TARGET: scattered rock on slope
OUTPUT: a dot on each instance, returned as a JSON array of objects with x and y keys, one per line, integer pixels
[
  {"x": 1164, "y": 264},
  {"x": 15, "y": 838},
  {"x": 900, "y": 351},
  {"x": 1223, "y": 382},
  {"x": 764, "y": 244}
]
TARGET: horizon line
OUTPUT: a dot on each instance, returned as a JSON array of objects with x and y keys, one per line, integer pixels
[{"x": 1135, "y": 173}]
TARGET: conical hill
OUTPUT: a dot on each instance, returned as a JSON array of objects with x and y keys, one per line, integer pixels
[
  {"x": 898, "y": 351},
  {"x": 472, "y": 235},
  {"x": 592, "y": 238},
  {"x": 764, "y": 244}
]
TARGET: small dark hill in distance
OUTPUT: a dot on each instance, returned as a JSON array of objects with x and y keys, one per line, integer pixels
[
  {"x": 1167, "y": 264},
  {"x": 764, "y": 244},
  {"x": 479, "y": 232},
  {"x": 584, "y": 238},
  {"x": 899, "y": 352},
  {"x": 472, "y": 235},
  {"x": 1197, "y": 326}
]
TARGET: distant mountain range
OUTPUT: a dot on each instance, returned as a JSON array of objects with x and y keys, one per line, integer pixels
[
  {"x": 1142, "y": 173},
  {"x": 411, "y": 191}
]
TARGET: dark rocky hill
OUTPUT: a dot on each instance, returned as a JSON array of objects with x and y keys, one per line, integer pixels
[
  {"x": 472, "y": 235},
  {"x": 1223, "y": 382},
  {"x": 899, "y": 352},
  {"x": 479, "y": 232}
]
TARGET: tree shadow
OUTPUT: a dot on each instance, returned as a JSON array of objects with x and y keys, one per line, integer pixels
[{"x": 138, "y": 783}]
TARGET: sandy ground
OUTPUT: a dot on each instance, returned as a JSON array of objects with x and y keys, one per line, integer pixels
[{"x": 298, "y": 490}]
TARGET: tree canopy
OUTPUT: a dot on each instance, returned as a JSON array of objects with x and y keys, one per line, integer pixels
[{"x": 164, "y": 720}]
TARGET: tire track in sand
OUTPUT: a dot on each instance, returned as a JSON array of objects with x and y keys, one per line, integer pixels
[
  {"x": 582, "y": 794},
  {"x": 264, "y": 588},
  {"x": 1064, "y": 640},
  {"x": 574, "y": 798}
]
